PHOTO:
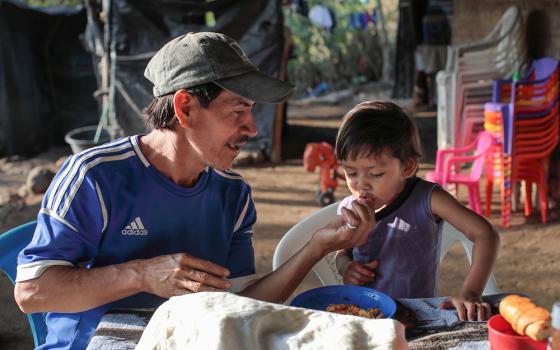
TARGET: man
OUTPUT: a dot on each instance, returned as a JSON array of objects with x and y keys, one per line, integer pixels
[{"x": 144, "y": 218}]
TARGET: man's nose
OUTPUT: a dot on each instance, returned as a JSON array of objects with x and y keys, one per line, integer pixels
[{"x": 250, "y": 126}]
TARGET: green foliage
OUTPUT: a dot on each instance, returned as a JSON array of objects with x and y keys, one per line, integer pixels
[
  {"x": 50, "y": 3},
  {"x": 338, "y": 57}
]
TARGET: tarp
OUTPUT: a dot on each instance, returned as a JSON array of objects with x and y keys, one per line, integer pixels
[
  {"x": 46, "y": 77},
  {"x": 138, "y": 28}
]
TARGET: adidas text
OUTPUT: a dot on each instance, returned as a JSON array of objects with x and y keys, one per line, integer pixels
[{"x": 134, "y": 232}]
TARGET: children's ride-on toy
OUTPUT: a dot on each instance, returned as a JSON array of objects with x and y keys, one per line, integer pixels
[{"x": 322, "y": 155}]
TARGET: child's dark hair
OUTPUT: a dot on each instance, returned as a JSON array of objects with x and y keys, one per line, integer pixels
[{"x": 374, "y": 126}]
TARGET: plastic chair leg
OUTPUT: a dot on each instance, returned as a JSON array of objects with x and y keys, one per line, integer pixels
[
  {"x": 474, "y": 198},
  {"x": 472, "y": 204},
  {"x": 528, "y": 198},
  {"x": 543, "y": 199},
  {"x": 477, "y": 200},
  {"x": 489, "y": 188}
]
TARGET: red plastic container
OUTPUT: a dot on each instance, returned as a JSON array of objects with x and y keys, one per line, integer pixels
[{"x": 502, "y": 336}]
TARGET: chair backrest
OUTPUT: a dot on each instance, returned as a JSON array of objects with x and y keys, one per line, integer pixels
[
  {"x": 484, "y": 141},
  {"x": 326, "y": 270},
  {"x": 544, "y": 67},
  {"x": 11, "y": 243}
]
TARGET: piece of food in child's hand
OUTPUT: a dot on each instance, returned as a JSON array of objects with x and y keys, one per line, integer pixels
[
  {"x": 525, "y": 317},
  {"x": 350, "y": 309}
]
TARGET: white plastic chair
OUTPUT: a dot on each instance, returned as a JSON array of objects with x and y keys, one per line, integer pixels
[
  {"x": 326, "y": 270},
  {"x": 466, "y": 82}
]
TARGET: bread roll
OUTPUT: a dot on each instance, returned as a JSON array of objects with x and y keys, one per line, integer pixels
[{"x": 525, "y": 317}]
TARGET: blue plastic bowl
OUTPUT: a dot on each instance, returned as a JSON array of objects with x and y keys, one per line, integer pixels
[{"x": 320, "y": 298}]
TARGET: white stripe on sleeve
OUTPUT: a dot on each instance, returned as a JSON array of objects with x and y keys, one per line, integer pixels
[
  {"x": 32, "y": 270},
  {"x": 82, "y": 175},
  {"x": 51, "y": 213},
  {"x": 76, "y": 162},
  {"x": 103, "y": 208},
  {"x": 242, "y": 215}
]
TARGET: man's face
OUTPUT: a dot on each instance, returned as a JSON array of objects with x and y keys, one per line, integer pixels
[{"x": 218, "y": 131}]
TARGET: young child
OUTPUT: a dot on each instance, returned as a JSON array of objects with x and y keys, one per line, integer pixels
[{"x": 378, "y": 147}]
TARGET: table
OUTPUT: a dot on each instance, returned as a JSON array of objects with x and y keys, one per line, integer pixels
[{"x": 122, "y": 329}]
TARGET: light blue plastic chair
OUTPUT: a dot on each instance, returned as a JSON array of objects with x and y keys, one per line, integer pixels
[{"x": 11, "y": 243}]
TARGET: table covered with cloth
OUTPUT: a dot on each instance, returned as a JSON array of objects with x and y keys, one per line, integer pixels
[{"x": 227, "y": 321}]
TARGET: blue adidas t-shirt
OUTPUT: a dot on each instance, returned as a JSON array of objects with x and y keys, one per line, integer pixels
[{"x": 107, "y": 205}]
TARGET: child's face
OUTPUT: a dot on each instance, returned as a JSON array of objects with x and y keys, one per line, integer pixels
[{"x": 377, "y": 180}]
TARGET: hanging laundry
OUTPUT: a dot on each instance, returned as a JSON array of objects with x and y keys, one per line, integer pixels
[
  {"x": 333, "y": 17},
  {"x": 320, "y": 16},
  {"x": 363, "y": 20},
  {"x": 374, "y": 16},
  {"x": 300, "y": 6}
]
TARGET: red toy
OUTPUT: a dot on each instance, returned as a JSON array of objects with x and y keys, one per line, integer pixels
[{"x": 322, "y": 155}]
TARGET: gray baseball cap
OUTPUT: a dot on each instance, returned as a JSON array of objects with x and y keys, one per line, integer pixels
[{"x": 197, "y": 58}]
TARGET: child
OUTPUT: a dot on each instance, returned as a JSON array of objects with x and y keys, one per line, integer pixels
[{"x": 378, "y": 148}]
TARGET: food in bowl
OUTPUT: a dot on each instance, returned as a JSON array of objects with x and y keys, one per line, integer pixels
[
  {"x": 365, "y": 298},
  {"x": 350, "y": 309}
]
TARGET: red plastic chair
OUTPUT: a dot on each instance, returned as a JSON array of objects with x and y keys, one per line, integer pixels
[
  {"x": 448, "y": 167},
  {"x": 527, "y": 129}
]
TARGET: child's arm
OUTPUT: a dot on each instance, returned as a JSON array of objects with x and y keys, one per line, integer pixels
[
  {"x": 352, "y": 271},
  {"x": 485, "y": 249},
  {"x": 343, "y": 258}
]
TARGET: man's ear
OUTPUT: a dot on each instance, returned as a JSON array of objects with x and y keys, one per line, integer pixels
[
  {"x": 410, "y": 167},
  {"x": 183, "y": 104}
]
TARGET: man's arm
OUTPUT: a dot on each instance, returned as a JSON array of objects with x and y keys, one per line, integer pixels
[
  {"x": 278, "y": 285},
  {"x": 70, "y": 289}
]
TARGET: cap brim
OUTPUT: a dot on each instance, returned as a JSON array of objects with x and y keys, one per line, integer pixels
[{"x": 259, "y": 87}]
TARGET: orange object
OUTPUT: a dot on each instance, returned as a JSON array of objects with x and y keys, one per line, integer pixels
[
  {"x": 502, "y": 336},
  {"x": 525, "y": 317},
  {"x": 322, "y": 155},
  {"x": 527, "y": 128}
]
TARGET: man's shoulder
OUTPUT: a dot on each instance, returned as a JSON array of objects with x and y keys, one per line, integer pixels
[
  {"x": 107, "y": 155},
  {"x": 230, "y": 177}
]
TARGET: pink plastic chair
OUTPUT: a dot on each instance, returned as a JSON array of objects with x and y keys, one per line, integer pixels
[{"x": 448, "y": 167}]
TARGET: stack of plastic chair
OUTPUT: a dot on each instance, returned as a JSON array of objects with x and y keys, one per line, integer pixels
[
  {"x": 448, "y": 167},
  {"x": 528, "y": 129},
  {"x": 466, "y": 83}
]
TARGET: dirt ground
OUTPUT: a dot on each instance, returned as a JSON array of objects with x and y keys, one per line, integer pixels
[{"x": 528, "y": 261}]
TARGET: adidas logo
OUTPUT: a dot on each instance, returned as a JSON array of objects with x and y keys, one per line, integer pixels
[{"x": 135, "y": 228}]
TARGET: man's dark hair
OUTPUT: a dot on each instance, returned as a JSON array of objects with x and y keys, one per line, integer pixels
[
  {"x": 160, "y": 113},
  {"x": 375, "y": 126}
]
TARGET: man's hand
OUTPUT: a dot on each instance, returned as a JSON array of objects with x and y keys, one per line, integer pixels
[
  {"x": 181, "y": 273},
  {"x": 358, "y": 274},
  {"x": 469, "y": 307},
  {"x": 348, "y": 230}
]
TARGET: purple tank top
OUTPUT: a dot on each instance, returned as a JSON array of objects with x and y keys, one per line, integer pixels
[{"x": 406, "y": 241}]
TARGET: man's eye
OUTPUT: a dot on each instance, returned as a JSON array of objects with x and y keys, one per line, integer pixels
[
  {"x": 350, "y": 174},
  {"x": 377, "y": 175}
]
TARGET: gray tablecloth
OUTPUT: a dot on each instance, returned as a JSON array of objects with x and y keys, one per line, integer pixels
[{"x": 427, "y": 327}]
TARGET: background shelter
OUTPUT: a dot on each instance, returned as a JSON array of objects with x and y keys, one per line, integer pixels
[
  {"x": 123, "y": 35},
  {"x": 46, "y": 77},
  {"x": 49, "y": 86}
]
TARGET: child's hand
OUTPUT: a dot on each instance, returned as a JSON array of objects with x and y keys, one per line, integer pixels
[
  {"x": 358, "y": 274},
  {"x": 469, "y": 306}
]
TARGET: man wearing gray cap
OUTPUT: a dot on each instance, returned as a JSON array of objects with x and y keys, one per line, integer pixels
[{"x": 147, "y": 217}]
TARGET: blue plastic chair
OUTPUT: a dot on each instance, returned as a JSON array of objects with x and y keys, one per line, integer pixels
[{"x": 11, "y": 243}]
